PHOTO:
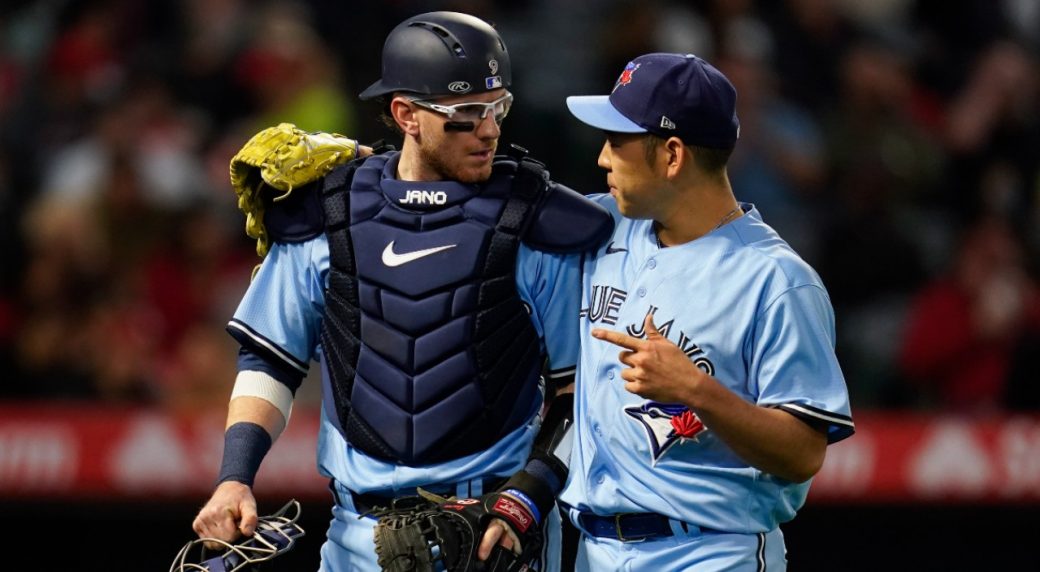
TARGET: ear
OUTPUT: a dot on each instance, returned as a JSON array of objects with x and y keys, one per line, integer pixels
[
  {"x": 405, "y": 116},
  {"x": 677, "y": 155}
]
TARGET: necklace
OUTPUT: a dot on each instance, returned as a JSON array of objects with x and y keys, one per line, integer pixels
[{"x": 729, "y": 216}]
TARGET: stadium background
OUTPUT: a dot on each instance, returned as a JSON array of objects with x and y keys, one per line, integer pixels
[{"x": 894, "y": 143}]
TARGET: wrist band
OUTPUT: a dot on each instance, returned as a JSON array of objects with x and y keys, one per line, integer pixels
[
  {"x": 535, "y": 491},
  {"x": 539, "y": 468},
  {"x": 526, "y": 500},
  {"x": 245, "y": 445}
]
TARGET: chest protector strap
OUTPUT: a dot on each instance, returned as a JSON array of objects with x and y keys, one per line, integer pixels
[{"x": 501, "y": 344}]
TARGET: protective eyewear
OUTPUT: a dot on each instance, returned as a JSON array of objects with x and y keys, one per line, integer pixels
[{"x": 470, "y": 113}]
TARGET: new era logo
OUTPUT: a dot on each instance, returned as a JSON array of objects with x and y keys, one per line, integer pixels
[{"x": 667, "y": 123}]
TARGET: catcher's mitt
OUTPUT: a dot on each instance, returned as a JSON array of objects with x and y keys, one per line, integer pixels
[
  {"x": 284, "y": 158},
  {"x": 427, "y": 533}
]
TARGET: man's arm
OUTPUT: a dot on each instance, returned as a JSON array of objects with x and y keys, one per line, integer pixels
[
  {"x": 768, "y": 439},
  {"x": 252, "y": 426}
]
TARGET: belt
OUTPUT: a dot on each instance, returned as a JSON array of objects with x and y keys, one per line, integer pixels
[
  {"x": 627, "y": 527},
  {"x": 365, "y": 502}
]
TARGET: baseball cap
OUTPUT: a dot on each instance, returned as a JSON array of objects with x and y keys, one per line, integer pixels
[{"x": 678, "y": 95}]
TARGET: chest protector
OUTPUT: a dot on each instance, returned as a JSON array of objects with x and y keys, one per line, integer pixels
[{"x": 429, "y": 352}]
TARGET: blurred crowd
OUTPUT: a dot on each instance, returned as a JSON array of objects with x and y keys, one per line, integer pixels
[{"x": 894, "y": 143}]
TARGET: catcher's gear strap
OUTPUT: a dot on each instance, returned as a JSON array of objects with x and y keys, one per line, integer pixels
[
  {"x": 245, "y": 445},
  {"x": 556, "y": 380},
  {"x": 556, "y": 436},
  {"x": 261, "y": 385},
  {"x": 274, "y": 163},
  {"x": 298, "y": 217},
  {"x": 563, "y": 221}
]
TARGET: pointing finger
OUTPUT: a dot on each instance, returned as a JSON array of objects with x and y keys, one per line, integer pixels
[{"x": 617, "y": 338}]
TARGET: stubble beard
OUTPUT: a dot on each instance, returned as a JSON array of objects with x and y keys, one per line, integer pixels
[{"x": 429, "y": 153}]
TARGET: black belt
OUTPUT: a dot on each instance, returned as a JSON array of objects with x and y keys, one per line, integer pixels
[
  {"x": 365, "y": 502},
  {"x": 627, "y": 527}
]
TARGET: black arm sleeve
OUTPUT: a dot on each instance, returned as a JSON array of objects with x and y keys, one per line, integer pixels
[{"x": 546, "y": 470}]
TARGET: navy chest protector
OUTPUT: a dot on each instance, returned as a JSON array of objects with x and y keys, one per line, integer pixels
[{"x": 429, "y": 353}]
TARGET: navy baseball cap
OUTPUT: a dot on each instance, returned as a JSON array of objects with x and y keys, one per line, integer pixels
[{"x": 667, "y": 95}]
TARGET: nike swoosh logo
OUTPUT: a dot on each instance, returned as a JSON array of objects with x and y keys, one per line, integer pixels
[
  {"x": 392, "y": 259},
  {"x": 612, "y": 250}
]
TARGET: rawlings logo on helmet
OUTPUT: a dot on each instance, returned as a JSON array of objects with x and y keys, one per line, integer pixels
[{"x": 459, "y": 87}]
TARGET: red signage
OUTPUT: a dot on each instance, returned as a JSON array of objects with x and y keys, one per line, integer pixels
[{"x": 77, "y": 451}]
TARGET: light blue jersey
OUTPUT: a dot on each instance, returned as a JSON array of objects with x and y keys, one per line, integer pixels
[{"x": 748, "y": 311}]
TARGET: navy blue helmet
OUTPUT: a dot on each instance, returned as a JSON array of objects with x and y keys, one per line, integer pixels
[{"x": 440, "y": 54}]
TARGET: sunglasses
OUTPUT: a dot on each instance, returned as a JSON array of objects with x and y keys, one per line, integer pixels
[{"x": 470, "y": 113}]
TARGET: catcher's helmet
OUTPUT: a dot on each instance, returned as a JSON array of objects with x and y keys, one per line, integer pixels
[{"x": 442, "y": 53}]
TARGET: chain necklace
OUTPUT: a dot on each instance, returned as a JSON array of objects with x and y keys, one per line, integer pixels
[{"x": 728, "y": 217}]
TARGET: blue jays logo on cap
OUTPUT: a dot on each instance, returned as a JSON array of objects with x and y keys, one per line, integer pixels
[
  {"x": 665, "y": 424},
  {"x": 626, "y": 75}
]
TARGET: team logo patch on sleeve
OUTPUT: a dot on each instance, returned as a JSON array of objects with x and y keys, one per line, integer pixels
[{"x": 666, "y": 424}]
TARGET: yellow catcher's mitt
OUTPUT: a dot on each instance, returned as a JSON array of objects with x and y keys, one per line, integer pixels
[{"x": 283, "y": 158}]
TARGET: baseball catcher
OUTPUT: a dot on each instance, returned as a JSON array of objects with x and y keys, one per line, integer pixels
[{"x": 435, "y": 287}]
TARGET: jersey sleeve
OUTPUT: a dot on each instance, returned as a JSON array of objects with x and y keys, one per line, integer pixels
[
  {"x": 793, "y": 362},
  {"x": 550, "y": 285},
  {"x": 280, "y": 314}
]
